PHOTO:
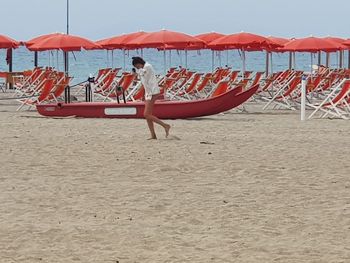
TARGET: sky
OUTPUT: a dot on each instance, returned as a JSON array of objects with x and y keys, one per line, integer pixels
[{"x": 97, "y": 19}]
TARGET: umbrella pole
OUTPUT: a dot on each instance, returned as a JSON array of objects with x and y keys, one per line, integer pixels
[
  {"x": 142, "y": 52},
  {"x": 267, "y": 64},
  {"x": 186, "y": 58},
  {"x": 349, "y": 59},
  {"x": 220, "y": 59},
  {"x": 169, "y": 58},
  {"x": 319, "y": 58},
  {"x": 180, "y": 54},
  {"x": 10, "y": 56},
  {"x": 243, "y": 62},
  {"x": 327, "y": 59},
  {"x": 312, "y": 56},
  {"x": 35, "y": 58},
  {"x": 57, "y": 59},
  {"x": 66, "y": 66},
  {"x": 124, "y": 61},
  {"x": 164, "y": 53},
  {"x": 212, "y": 60},
  {"x": 294, "y": 62},
  {"x": 290, "y": 60},
  {"x": 226, "y": 58},
  {"x": 341, "y": 59},
  {"x": 112, "y": 59},
  {"x": 271, "y": 64}
]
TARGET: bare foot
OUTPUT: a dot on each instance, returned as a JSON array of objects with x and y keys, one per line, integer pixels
[
  {"x": 152, "y": 138},
  {"x": 167, "y": 130}
]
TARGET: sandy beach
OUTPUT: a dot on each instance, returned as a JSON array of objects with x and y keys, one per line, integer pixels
[{"x": 236, "y": 187}]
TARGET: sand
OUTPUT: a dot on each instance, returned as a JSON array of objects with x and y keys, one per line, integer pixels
[{"x": 236, "y": 187}]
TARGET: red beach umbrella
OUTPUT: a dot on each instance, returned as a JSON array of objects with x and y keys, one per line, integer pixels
[
  {"x": 209, "y": 37},
  {"x": 243, "y": 41},
  {"x": 279, "y": 40},
  {"x": 34, "y": 41},
  {"x": 119, "y": 42},
  {"x": 39, "y": 38},
  {"x": 338, "y": 41},
  {"x": 63, "y": 42},
  {"x": 7, "y": 42},
  {"x": 313, "y": 45},
  {"x": 162, "y": 39}
]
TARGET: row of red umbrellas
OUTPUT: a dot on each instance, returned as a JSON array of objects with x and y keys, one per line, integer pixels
[{"x": 165, "y": 39}]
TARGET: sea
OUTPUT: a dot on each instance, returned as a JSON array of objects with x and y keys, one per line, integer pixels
[{"x": 85, "y": 63}]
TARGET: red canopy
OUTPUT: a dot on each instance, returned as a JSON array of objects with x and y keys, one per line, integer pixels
[
  {"x": 336, "y": 39},
  {"x": 164, "y": 38},
  {"x": 312, "y": 44},
  {"x": 7, "y": 42},
  {"x": 243, "y": 40},
  {"x": 209, "y": 37},
  {"x": 63, "y": 42},
  {"x": 346, "y": 43},
  {"x": 279, "y": 40},
  {"x": 119, "y": 42},
  {"x": 40, "y": 38}
]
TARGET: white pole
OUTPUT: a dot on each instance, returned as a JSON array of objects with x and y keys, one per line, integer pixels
[
  {"x": 164, "y": 61},
  {"x": 112, "y": 59},
  {"x": 124, "y": 66},
  {"x": 220, "y": 59},
  {"x": 186, "y": 59},
  {"x": 294, "y": 62},
  {"x": 169, "y": 58},
  {"x": 267, "y": 63},
  {"x": 243, "y": 62},
  {"x": 311, "y": 69},
  {"x": 180, "y": 54},
  {"x": 57, "y": 59},
  {"x": 212, "y": 60},
  {"x": 271, "y": 63},
  {"x": 227, "y": 58},
  {"x": 303, "y": 98}
]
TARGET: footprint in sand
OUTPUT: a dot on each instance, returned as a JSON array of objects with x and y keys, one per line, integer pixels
[{"x": 173, "y": 138}]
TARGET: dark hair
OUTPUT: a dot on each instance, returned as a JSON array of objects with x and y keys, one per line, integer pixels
[{"x": 138, "y": 60}]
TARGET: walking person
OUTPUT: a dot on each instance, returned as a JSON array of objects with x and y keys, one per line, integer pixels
[{"x": 152, "y": 93}]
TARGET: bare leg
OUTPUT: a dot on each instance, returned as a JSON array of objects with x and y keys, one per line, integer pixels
[
  {"x": 151, "y": 118},
  {"x": 149, "y": 108}
]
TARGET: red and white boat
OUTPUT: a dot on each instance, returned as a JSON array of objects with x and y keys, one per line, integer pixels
[{"x": 162, "y": 109}]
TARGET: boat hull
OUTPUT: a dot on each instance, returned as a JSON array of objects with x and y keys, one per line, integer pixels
[{"x": 162, "y": 109}]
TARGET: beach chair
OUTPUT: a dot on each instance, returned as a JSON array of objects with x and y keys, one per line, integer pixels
[
  {"x": 44, "y": 93},
  {"x": 186, "y": 89},
  {"x": 282, "y": 96},
  {"x": 220, "y": 89},
  {"x": 120, "y": 89},
  {"x": 336, "y": 103}
]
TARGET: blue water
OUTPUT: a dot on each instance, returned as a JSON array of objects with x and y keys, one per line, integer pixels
[{"x": 88, "y": 62}]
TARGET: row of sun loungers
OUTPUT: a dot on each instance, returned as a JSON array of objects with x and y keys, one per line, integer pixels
[{"x": 328, "y": 90}]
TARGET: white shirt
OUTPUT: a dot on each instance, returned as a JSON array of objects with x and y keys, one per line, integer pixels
[{"x": 149, "y": 81}]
